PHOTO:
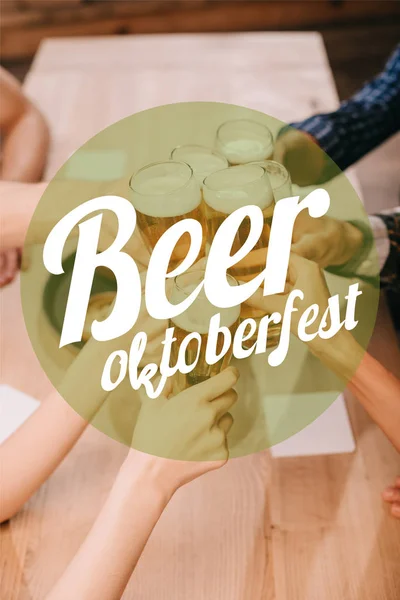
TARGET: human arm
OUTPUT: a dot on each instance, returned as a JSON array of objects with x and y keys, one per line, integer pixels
[
  {"x": 376, "y": 388},
  {"x": 199, "y": 424},
  {"x": 372, "y": 384},
  {"x": 19, "y": 201},
  {"x": 358, "y": 126},
  {"x": 35, "y": 450},
  {"x": 352, "y": 249},
  {"x": 31, "y": 454},
  {"x": 25, "y": 133},
  {"x": 392, "y": 496},
  {"x": 17, "y": 204},
  {"x": 25, "y": 141}
]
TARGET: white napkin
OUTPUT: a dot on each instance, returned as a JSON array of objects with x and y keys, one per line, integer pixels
[
  {"x": 330, "y": 433},
  {"x": 15, "y": 408}
]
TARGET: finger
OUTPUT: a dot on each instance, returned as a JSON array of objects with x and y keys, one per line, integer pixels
[
  {"x": 93, "y": 356},
  {"x": 218, "y": 456},
  {"x": 269, "y": 304},
  {"x": 221, "y": 405},
  {"x": 397, "y": 482},
  {"x": 395, "y": 510},
  {"x": 148, "y": 358},
  {"x": 225, "y": 423},
  {"x": 305, "y": 247},
  {"x": 9, "y": 266},
  {"x": 279, "y": 151},
  {"x": 391, "y": 494},
  {"x": 252, "y": 260},
  {"x": 214, "y": 387},
  {"x": 287, "y": 289},
  {"x": 301, "y": 266}
]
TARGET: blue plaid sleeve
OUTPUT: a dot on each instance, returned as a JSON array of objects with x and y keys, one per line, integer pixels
[{"x": 362, "y": 122}]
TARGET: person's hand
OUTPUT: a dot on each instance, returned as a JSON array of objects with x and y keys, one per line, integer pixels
[
  {"x": 182, "y": 437},
  {"x": 301, "y": 155},
  {"x": 341, "y": 353},
  {"x": 303, "y": 275},
  {"x": 9, "y": 265},
  {"x": 326, "y": 241},
  {"x": 61, "y": 198},
  {"x": 392, "y": 496},
  {"x": 153, "y": 328}
]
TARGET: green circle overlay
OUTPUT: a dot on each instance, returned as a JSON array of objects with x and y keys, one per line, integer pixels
[{"x": 273, "y": 402}]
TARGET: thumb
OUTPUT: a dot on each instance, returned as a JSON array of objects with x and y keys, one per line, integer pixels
[
  {"x": 305, "y": 247},
  {"x": 225, "y": 423}
]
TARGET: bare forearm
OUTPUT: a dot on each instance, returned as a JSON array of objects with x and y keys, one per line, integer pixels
[
  {"x": 34, "y": 451},
  {"x": 25, "y": 148},
  {"x": 375, "y": 387},
  {"x": 104, "y": 563},
  {"x": 378, "y": 390}
]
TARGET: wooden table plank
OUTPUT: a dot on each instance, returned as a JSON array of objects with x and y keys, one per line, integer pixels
[{"x": 329, "y": 534}]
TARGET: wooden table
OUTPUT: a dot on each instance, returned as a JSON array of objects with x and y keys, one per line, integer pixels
[{"x": 317, "y": 529}]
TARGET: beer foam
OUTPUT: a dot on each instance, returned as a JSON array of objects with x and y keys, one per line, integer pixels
[
  {"x": 227, "y": 201},
  {"x": 166, "y": 195},
  {"x": 203, "y": 164},
  {"x": 197, "y": 317},
  {"x": 229, "y": 198},
  {"x": 242, "y": 151}
]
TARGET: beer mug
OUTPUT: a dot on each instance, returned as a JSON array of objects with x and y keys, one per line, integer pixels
[
  {"x": 197, "y": 318},
  {"x": 279, "y": 179},
  {"x": 244, "y": 141},
  {"x": 201, "y": 159},
  {"x": 224, "y": 192},
  {"x": 164, "y": 193}
]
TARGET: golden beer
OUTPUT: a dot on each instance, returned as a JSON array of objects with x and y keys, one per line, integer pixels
[
  {"x": 163, "y": 194},
  {"x": 197, "y": 319},
  {"x": 225, "y": 192},
  {"x": 244, "y": 141}
]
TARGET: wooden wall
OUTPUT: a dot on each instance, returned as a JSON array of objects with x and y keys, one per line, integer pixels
[{"x": 25, "y": 22}]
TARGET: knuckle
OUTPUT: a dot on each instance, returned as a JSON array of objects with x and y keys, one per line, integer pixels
[
  {"x": 228, "y": 419},
  {"x": 233, "y": 396},
  {"x": 206, "y": 416},
  {"x": 229, "y": 395}
]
